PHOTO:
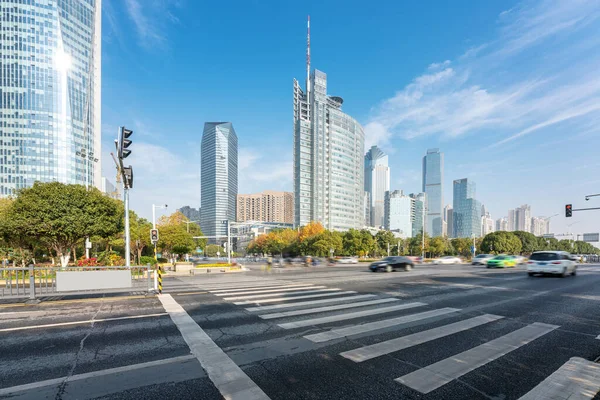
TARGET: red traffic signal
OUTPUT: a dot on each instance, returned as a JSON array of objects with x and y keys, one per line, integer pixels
[
  {"x": 569, "y": 210},
  {"x": 154, "y": 235}
]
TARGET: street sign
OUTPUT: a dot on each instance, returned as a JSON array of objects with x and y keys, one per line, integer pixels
[
  {"x": 591, "y": 237},
  {"x": 88, "y": 244}
]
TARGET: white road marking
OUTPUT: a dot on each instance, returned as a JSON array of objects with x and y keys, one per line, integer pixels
[
  {"x": 263, "y": 296},
  {"x": 22, "y": 328},
  {"x": 246, "y": 285},
  {"x": 327, "y": 308},
  {"x": 303, "y": 287},
  {"x": 310, "y": 302},
  {"x": 578, "y": 378},
  {"x": 310, "y": 296},
  {"x": 373, "y": 326},
  {"x": 93, "y": 374},
  {"x": 433, "y": 376},
  {"x": 258, "y": 288},
  {"x": 227, "y": 377},
  {"x": 598, "y": 337},
  {"x": 404, "y": 342},
  {"x": 352, "y": 315}
]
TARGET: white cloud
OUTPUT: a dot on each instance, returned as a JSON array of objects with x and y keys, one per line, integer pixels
[
  {"x": 265, "y": 168},
  {"x": 490, "y": 90},
  {"x": 151, "y": 19}
]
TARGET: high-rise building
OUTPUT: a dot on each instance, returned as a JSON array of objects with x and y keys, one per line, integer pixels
[
  {"x": 511, "y": 223},
  {"x": 377, "y": 182},
  {"x": 523, "y": 218},
  {"x": 367, "y": 207},
  {"x": 487, "y": 224},
  {"x": 268, "y": 206},
  {"x": 433, "y": 177},
  {"x": 328, "y": 157},
  {"x": 448, "y": 218},
  {"x": 540, "y": 226},
  {"x": 190, "y": 213},
  {"x": 502, "y": 224},
  {"x": 109, "y": 189},
  {"x": 467, "y": 210},
  {"x": 399, "y": 213},
  {"x": 219, "y": 178},
  {"x": 420, "y": 199},
  {"x": 50, "y": 71}
]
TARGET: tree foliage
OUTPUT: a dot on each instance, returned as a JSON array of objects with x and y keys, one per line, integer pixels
[{"x": 501, "y": 243}]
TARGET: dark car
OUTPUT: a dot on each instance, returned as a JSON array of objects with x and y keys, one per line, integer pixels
[{"x": 390, "y": 264}]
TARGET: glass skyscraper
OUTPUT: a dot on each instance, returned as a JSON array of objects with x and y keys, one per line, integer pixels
[
  {"x": 433, "y": 177},
  {"x": 420, "y": 200},
  {"x": 377, "y": 183},
  {"x": 328, "y": 158},
  {"x": 219, "y": 178},
  {"x": 50, "y": 93},
  {"x": 466, "y": 210}
]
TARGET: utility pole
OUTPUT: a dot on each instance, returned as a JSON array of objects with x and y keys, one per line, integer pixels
[
  {"x": 228, "y": 242},
  {"x": 154, "y": 207},
  {"x": 122, "y": 144}
]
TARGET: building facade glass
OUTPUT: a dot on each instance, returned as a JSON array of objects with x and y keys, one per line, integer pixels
[
  {"x": 50, "y": 63},
  {"x": 328, "y": 159},
  {"x": 399, "y": 213},
  {"x": 377, "y": 183},
  {"x": 466, "y": 210},
  {"x": 420, "y": 200},
  {"x": 219, "y": 178},
  {"x": 433, "y": 177}
]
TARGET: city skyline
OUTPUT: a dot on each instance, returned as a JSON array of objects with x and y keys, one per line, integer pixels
[
  {"x": 377, "y": 183},
  {"x": 452, "y": 66}
]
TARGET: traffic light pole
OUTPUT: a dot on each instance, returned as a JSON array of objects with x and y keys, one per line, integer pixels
[{"x": 127, "y": 236}]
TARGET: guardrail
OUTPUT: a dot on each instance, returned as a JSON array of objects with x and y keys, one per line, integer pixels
[{"x": 32, "y": 282}]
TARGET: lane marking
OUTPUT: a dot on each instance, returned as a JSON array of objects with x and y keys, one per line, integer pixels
[
  {"x": 189, "y": 293},
  {"x": 302, "y": 287},
  {"x": 94, "y": 374},
  {"x": 227, "y": 377},
  {"x": 310, "y": 296},
  {"x": 262, "y": 296},
  {"x": 310, "y": 302},
  {"x": 242, "y": 286},
  {"x": 433, "y": 376},
  {"x": 578, "y": 378},
  {"x": 22, "y": 328},
  {"x": 352, "y": 315},
  {"x": 325, "y": 309},
  {"x": 373, "y": 326},
  {"x": 259, "y": 288},
  {"x": 379, "y": 349}
]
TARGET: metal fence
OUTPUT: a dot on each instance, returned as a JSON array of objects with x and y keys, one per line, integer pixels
[{"x": 33, "y": 282}]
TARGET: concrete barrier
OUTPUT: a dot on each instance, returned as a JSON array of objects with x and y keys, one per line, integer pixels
[{"x": 92, "y": 280}]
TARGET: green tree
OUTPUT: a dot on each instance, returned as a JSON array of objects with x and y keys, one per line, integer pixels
[
  {"x": 565, "y": 245},
  {"x": 529, "y": 242},
  {"x": 501, "y": 243},
  {"x": 383, "y": 239},
  {"x": 321, "y": 244},
  {"x": 437, "y": 246},
  {"x": 140, "y": 235},
  {"x": 462, "y": 246},
  {"x": 211, "y": 250}
]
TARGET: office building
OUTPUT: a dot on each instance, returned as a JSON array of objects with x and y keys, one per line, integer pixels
[
  {"x": 328, "y": 157},
  {"x": 109, "y": 189},
  {"x": 191, "y": 213},
  {"x": 399, "y": 213},
  {"x": 50, "y": 93},
  {"x": 467, "y": 210},
  {"x": 420, "y": 199},
  {"x": 433, "y": 177},
  {"x": 377, "y": 183},
  {"x": 523, "y": 218},
  {"x": 367, "y": 207},
  {"x": 268, "y": 206},
  {"x": 219, "y": 178},
  {"x": 511, "y": 221},
  {"x": 487, "y": 224},
  {"x": 502, "y": 224},
  {"x": 540, "y": 226},
  {"x": 448, "y": 219}
]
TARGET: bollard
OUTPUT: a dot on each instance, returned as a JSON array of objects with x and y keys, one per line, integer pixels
[
  {"x": 31, "y": 283},
  {"x": 159, "y": 279}
]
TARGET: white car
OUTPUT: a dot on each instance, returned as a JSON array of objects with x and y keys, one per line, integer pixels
[
  {"x": 551, "y": 262},
  {"x": 447, "y": 260},
  {"x": 481, "y": 259},
  {"x": 348, "y": 260}
]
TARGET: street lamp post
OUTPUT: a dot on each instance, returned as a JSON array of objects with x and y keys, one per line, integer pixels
[
  {"x": 188, "y": 224},
  {"x": 154, "y": 207},
  {"x": 87, "y": 157}
]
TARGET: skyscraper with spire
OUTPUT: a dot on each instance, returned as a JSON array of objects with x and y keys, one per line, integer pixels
[
  {"x": 328, "y": 156},
  {"x": 377, "y": 182}
]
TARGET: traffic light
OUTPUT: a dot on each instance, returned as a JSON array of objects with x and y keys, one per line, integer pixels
[
  {"x": 124, "y": 142},
  {"x": 154, "y": 235},
  {"x": 568, "y": 210},
  {"x": 128, "y": 175}
]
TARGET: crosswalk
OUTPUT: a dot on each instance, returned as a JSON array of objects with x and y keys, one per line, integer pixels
[{"x": 285, "y": 303}]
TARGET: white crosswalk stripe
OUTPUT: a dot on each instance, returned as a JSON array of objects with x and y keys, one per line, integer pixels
[
  {"x": 404, "y": 342},
  {"x": 309, "y": 296},
  {"x": 310, "y": 302},
  {"x": 433, "y": 376},
  {"x": 327, "y": 308},
  {"x": 346, "y": 316},
  {"x": 264, "y": 296},
  {"x": 377, "y": 325},
  {"x": 258, "y": 288},
  {"x": 269, "y": 290}
]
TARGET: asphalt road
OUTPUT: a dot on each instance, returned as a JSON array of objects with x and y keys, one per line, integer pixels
[{"x": 437, "y": 332}]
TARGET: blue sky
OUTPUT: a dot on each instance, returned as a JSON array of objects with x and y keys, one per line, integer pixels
[{"x": 508, "y": 90}]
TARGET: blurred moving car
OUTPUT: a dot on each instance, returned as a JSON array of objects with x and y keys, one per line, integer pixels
[
  {"x": 519, "y": 259},
  {"x": 551, "y": 262},
  {"x": 390, "y": 264},
  {"x": 416, "y": 259},
  {"x": 447, "y": 260},
  {"x": 481, "y": 259},
  {"x": 502, "y": 261},
  {"x": 347, "y": 260}
]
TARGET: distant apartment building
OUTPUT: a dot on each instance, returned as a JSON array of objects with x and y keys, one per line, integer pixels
[
  {"x": 267, "y": 206},
  {"x": 448, "y": 219},
  {"x": 540, "y": 226},
  {"x": 467, "y": 210},
  {"x": 420, "y": 199},
  {"x": 377, "y": 183},
  {"x": 399, "y": 213},
  {"x": 433, "y": 177},
  {"x": 523, "y": 218},
  {"x": 109, "y": 189},
  {"x": 502, "y": 224},
  {"x": 190, "y": 213},
  {"x": 367, "y": 207},
  {"x": 487, "y": 224},
  {"x": 511, "y": 221}
]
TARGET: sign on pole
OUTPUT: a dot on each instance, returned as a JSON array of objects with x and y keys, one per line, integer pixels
[{"x": 591, "y": 237}]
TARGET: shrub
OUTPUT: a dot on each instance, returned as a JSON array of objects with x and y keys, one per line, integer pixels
[
  {"x": 162, "y": 260},
  {"x": 87, "y": 262},
  {"x": 148, "y": 260}
]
